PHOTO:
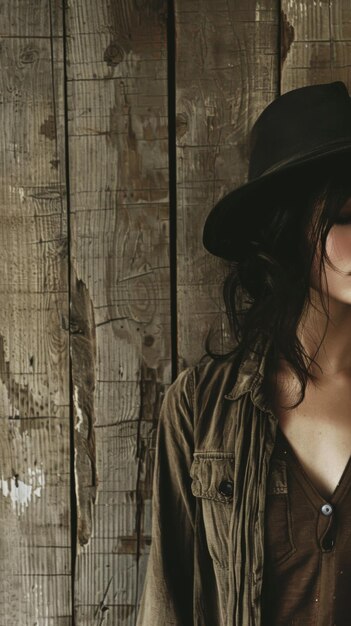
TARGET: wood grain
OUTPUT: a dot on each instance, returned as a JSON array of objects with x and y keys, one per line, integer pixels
[
  {"x": 35, "y": 545},
  {"x": 227, "y": 72},
  {"x": 85, "y": 321},
  {"x": 320, "y": 50},
  {"x": 120, "y": 312}
]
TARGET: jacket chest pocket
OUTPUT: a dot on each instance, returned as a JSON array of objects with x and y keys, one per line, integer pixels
[{"x": 212, "y": 476}]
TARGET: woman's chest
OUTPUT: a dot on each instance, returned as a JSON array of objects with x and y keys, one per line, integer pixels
[{"x": 318, "y": 430}]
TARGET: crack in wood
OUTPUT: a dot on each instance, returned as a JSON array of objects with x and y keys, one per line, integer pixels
[{"x": 83, "y": 354}]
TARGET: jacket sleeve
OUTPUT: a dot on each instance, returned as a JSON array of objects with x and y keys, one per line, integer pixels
[{"x": 167, "y": 597}]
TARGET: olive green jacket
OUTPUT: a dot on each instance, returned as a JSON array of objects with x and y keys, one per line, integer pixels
[{"x": 214, "y": 440}]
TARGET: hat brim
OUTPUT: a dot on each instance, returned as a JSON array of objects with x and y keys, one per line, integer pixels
[{"x": 230, "y": 222}]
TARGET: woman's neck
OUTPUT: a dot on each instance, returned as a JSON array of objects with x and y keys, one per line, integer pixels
[{"x": 334, "y": 354}]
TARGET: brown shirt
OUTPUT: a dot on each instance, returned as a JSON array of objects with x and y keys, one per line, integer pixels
[{"x": 307, "y": 573}]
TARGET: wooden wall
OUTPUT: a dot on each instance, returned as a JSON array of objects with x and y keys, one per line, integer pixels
[{"x": 122, "y": 124}]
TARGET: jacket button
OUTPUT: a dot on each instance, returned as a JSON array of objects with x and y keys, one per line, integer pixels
[
  {"x": 327, "y": 509},
  {"x": 226, "y": 488}
]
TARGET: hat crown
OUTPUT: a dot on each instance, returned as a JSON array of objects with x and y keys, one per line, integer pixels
[
  {"x": 300, "y": 129},
  {"x": 297, "y": 123}
]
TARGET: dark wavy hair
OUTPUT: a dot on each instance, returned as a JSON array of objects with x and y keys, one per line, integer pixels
[{"x": 267, "y": 292}]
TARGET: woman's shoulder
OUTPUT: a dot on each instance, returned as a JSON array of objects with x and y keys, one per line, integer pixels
[{"x": 206, "y": 376}]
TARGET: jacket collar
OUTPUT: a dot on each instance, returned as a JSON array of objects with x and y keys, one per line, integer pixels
[{"x": 250, "y": 375}]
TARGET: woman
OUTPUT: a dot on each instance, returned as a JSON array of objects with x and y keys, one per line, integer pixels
[{"x": 251, "y": 509}]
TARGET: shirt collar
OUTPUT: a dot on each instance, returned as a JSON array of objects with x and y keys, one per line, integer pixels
[{"x": 250, "y": 376}]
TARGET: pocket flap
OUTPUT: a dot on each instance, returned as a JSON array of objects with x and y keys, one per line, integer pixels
[{"x": 212, "y": 475}]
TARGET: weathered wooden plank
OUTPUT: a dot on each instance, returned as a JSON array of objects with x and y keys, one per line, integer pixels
[
  {"x": 31, "y": 19},
  {"x": 35, "y": 550},
  {"x": 318, "y": 48},
  {"x": 227, "y": 72},
  {"x": 120, "y": 314}
]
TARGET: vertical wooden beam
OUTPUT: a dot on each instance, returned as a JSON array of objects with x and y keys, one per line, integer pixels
[
  {"x": 35, "y": 563},
  {"x": 318, "y": 43},
  {"x": 227, "y": 72},
  {"x": 120, "y": 312}
]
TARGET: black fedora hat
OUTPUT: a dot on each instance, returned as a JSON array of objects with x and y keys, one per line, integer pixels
[{"x": 300, "y": 128}]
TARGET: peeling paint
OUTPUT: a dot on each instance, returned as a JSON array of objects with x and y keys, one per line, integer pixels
[
  {"x": 287, "y": 37},
  {"x": 20, "y": 492},
  {"x": 257, "y": 12},
  {"x": 20, "y": 396},
  {"x": 21, "y": 193},
  {"x": 78, "y": 409},
  {"x": 17, "y": 190}
]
